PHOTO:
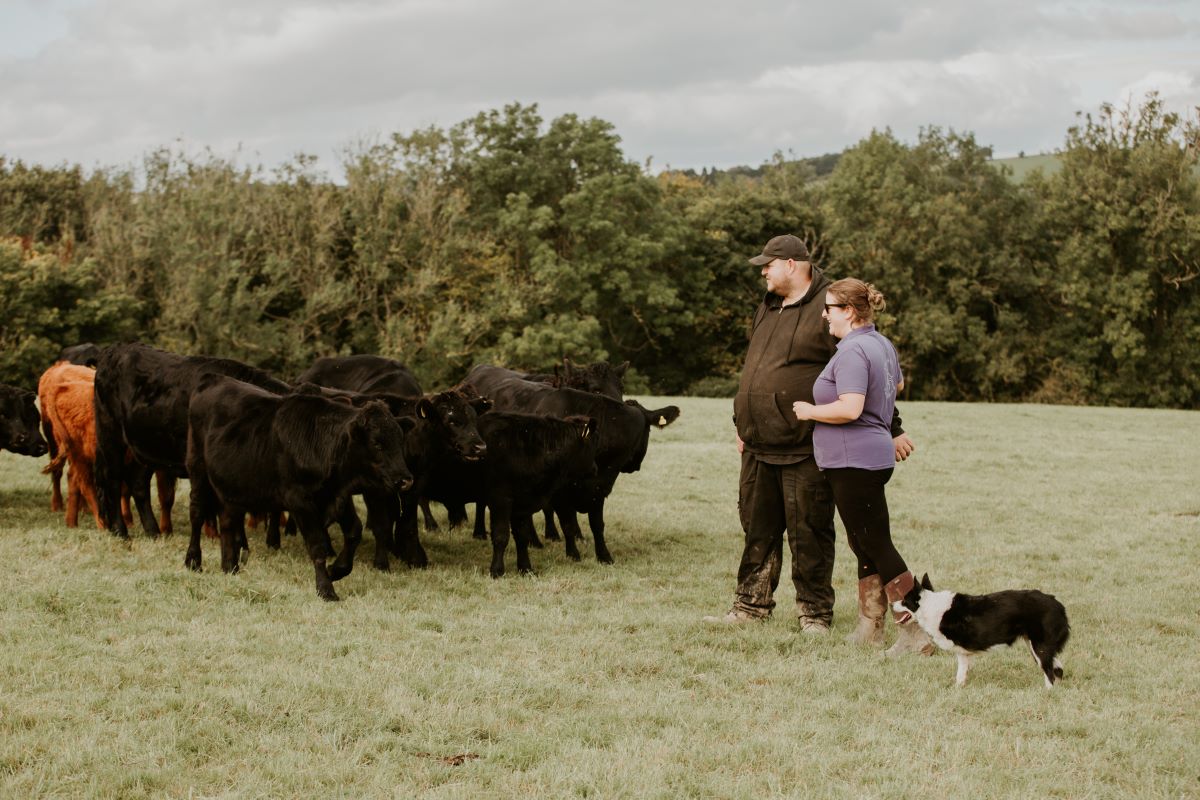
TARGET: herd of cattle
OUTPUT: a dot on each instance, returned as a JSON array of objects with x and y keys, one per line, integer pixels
[{"x": 514, "y": 443}]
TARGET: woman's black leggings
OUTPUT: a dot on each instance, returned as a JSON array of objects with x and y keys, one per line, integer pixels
[{"x": 862, "y": 505}]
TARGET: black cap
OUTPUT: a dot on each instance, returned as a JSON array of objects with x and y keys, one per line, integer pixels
[{"x": 786, "y": 246}]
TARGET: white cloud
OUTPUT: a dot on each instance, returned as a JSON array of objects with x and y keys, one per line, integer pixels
[{"x": 695, "y": 84}]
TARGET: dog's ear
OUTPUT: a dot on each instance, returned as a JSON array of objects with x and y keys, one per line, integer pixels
[{"x": 925, "y": 584}]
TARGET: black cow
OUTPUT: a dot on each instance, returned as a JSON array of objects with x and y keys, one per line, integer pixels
[
  {"x": 444, "y": 437},
  {"x": 19, "y": 422},
  {"x": 366, "y": 374},
  {"x": 600, "y": 377},
  {"x": 85, "y": 355},
  {"x": 141, "y": 405},
  {"x": 529, "y": 459},
  {"x": 252, "y": 451},
  {"x": 623, "y": 435}
]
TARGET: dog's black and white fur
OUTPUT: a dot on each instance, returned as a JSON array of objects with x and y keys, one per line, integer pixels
[{"x": 969, "y": 624}]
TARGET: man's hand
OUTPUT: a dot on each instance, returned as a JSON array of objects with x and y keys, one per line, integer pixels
[
  {"x": 802, "y": 410},
  {"x": 904, "y": 447},
  {"x": 741, "y": 444}
]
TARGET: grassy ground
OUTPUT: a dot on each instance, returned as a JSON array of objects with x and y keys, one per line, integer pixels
[{"x": 122, "y": 674}]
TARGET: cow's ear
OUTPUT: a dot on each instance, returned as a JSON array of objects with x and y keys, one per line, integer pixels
[
  {"x": 621, "y": 370},
  {"x": 406, "y": 423},
  {"x": 590, "y": 427},
  {"x": 925, "y": 584},
  {"x": 424, "y": 408},
  {"x": 481, "y": 404},
  {"x": 664, "y": 416}
]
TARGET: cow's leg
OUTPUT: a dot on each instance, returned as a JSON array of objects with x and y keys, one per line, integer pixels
[
  {"x": 407, "y": 541},
  {"x": 480, "y": 531},
  {"x": 551, "y": 531},
  {"x": 139, "y": 490},
  {"x": 501, "y": 516},
  {"x": 56, "y": 498},
  {"x": 522, "y": 529},
  {"x": 86, "y": 481},
  {"x": 166, "y": 500},
  {"x": 427, "y": 514},
  {"x": 348, "y": 521},
  {"x": 456, "y": 515},
  {"x": 352, "y": 528},
  {"x": 72, "y": 497},
  {"x": 407, "y": 526},
  {"x": 201, "y": 507},
  {"x": 126, "y": 511},
  {"x": 596, "y": 523},
  {"x": 531, "y": 537},
  {"x": 273, "y": 530},
  {"x": 316, "y": 541},
  {"x": 381, "y": 522},
  {"x": 570, "y": 530},
  {"x": 232, "y": 528}
]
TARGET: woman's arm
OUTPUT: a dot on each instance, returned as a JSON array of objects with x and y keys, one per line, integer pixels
[{"x": 847, "y": 408}]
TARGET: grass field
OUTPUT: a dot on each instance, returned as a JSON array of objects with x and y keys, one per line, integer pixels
[{"x": 125, "y": 675}]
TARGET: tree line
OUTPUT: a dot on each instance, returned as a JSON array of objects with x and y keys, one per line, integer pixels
[{"x": 512, "y": 240}]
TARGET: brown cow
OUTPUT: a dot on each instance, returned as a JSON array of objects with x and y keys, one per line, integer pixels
[{"x": 65, "y": 393}]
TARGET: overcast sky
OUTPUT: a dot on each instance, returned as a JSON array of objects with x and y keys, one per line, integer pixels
[{"x": 686, "y": 83}]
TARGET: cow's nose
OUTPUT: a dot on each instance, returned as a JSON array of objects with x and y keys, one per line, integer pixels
[
  {"x": 480, "y": 449},
  {"x": 404, "y": 485}
]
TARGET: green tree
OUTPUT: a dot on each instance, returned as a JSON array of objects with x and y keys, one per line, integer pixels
[
  {"x": 1122, "y": 221},
  {"x": 944, "y": 235},
  {"x": 49, "y": 300}
]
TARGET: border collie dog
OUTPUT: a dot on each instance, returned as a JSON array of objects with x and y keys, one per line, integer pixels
[{"x": 968, "y": 624}]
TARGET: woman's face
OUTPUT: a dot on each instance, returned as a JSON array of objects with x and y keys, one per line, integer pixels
[{"x": 839, "y": 315}]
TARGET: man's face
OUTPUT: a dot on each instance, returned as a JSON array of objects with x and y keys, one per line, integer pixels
[{"x": 779, "y": 275}]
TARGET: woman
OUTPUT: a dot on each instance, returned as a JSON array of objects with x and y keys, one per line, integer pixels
[{"x": 852, "y": 443}]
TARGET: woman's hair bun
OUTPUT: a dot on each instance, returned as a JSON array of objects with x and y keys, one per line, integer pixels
[{"x": 875, "y": 298}]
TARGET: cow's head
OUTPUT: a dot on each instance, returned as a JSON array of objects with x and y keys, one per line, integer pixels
[
  {"x": 379, "y": 438},
  {"x": 599, "y": 378},
  {"x": 19, "y": 422},
  {"x": 656, "y": 418},
  {"x": 453, "y": 416}
]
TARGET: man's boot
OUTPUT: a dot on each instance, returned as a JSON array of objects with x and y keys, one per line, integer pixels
[
  {"x": 872, "y": 611},
  {"x": 912, "y": 639}
]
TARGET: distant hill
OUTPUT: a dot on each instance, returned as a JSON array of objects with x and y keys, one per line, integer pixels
[
  {"x": 1022, "y": 165},
  {"x": 823, "y": 165}
]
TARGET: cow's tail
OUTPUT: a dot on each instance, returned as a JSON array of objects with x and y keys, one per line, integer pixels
[
  {"x": 110, "y": 451},
  {"x": 56, "y": 463}
]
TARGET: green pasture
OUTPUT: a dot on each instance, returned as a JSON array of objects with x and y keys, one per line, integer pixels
[{"x": 124, "y": 675}]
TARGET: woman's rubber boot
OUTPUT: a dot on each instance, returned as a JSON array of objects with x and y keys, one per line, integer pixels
[
  {"x": 912, "y": 639},
  {"x": 872, "y": 611}
]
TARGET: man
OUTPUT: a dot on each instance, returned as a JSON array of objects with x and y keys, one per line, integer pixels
[{"x": 781, "y": 487}]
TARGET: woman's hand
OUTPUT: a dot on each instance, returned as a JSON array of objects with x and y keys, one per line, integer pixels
[{"x": 802, "y": 409}]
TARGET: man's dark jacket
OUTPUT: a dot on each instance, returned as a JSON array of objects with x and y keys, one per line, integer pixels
[{"x": 789, "y": 346}]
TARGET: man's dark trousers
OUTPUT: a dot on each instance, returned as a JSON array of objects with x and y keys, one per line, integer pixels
[{"x": 797, "y": 498}]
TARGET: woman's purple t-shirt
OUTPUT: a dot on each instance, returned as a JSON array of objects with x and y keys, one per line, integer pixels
[{"x": 865, "y": 363}]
